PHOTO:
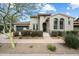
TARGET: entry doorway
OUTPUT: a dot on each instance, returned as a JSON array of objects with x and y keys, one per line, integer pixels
[{"x": 44, "y": 27}]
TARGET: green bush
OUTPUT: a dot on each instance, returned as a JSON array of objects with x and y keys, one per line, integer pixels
[
  {"x": 51, "y": 47},
  {"x": 72, "y": 32},
  {"x": 71, "y": 41}
]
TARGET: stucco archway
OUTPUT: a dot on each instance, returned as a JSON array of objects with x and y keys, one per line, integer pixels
[{"x": 45, "y": 25}]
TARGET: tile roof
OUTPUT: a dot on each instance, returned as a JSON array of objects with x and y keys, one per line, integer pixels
[
  {"x": 40, "y": 14},
  {"x": 76, "y": 23},
  {"x": 22, "y": 24},
  {"x": 34, "y": 16},
  {"x": 63, "y": 15}
]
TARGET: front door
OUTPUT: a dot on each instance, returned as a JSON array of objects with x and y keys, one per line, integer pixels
[{"x": 44, "y": 27}]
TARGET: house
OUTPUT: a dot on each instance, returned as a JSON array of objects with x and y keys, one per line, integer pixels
[
  {"x": 21, "y": 26},
  {"x": 76, "y": 24},
  {"x": 47, "y": 23}
]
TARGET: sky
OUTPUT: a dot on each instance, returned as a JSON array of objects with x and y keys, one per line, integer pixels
[{"x": 55, "y": 8}]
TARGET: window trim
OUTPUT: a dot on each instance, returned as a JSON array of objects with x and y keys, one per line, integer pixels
[
  {"x": 61, "y": 25},
  {"x": 55, "y": 23}
]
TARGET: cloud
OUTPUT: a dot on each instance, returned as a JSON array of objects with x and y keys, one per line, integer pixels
[
  {"x": 68, "y": 8},
  {"x": 67, "y": 13},
  {"x": 42, "y": 12},
  {"x": 74, "y": 5},
  {"x": 47, "y": 8}
]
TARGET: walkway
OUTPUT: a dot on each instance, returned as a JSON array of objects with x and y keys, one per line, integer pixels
[
  {"x": 46, "y": 39},
  {"x": 46, "y": 36}
]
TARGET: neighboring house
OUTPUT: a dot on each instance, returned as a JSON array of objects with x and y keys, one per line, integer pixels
[
  {"x": 47, "y": 23},
  {"x": 76, "y": 25},
  {"x": 21, "y": 26}
]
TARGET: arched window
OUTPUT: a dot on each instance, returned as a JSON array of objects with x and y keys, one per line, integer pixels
[
  {"x": 55, "y": 23},
  {"x": 61, "y": 23}
]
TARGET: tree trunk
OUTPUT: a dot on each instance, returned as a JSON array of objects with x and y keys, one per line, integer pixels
[
  {"x": 4, "y": 25},
  {"x": 11, "y": 37}
]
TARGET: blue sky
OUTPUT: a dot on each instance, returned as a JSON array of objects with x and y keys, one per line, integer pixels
[{"x": 54, "y": 8}]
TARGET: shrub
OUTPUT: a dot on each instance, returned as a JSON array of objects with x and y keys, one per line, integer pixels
[
  {"x": 15, "y": 34},
  {"x": 71, "y": 41},
  {"x": 37, "y": 34},
  {"x": 29, "y": 33},
  {"x": 72, "y": 32},
  {"x": 40, "y": 33},
  {"x": 60, "y": 33},
  {"x": 33, "y": 34},
  {"x": 51, "y": 47},
  {"x": 20, "y": 37},
  {"x": 54, "y": 33},
  {"x": 26, "y": 33},
  {"x": 57, "y": 33}
]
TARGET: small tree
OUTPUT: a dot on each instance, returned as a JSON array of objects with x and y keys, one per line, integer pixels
[{"x": 10, "y": 11}]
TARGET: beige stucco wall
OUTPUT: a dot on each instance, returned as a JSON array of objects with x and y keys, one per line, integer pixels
[
  {"x": 67, "y": 27},
  {"x": 42, "y": 19},
  {"x": 33, "y": 21}
]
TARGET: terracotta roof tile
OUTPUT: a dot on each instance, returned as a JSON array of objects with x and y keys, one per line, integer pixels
[
  {"x": 64, "y": 15},
  {"x": 76, "y": 23},
  {"x": 41, "y": 14},
  {"x": 22, "y": 24},
  {"x": 33, "y": 16}
]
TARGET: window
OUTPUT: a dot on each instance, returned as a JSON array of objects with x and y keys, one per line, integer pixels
[
  {"x": 55, "y": 23},
  {"x": 19, "y": 28},
  {"x": 61, "y": 23},
  {"x": 33, "y": 26},
  {"x": 36, "y": 26},
  {"x": 69, "y": 22},
  {"x": 68, "y": 17}
]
